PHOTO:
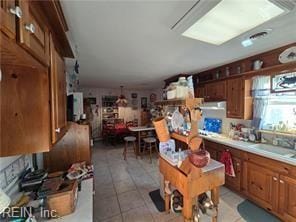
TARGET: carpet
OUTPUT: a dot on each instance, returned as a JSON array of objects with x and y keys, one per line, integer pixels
[
  {"x": 157, "y": 200},
  {"x": 252, "y": 213}
]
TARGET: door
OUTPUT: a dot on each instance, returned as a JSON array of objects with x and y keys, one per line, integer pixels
[
  {"x": 287, "y": 198},
  {"x": 58, "y": 95},
  {"x": 8, "y": 12},
  {"x": 262, "y": 185},
  {"x": 25, "y": 117},
  {"x": 235, "y": 98},
  {"x": 33, "y": 33}
]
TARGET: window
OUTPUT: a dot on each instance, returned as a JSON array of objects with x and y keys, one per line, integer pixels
[{"x": 280, "y": 114}]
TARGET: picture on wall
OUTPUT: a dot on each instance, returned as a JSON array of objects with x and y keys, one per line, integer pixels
[
  {"x": 143, "y": 102},
  {"x": 283, "y": 82}
]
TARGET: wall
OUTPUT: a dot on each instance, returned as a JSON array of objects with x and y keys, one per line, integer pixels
[
  {"x": 127, "y": 113},
  {"x": 221, "y": 114}
]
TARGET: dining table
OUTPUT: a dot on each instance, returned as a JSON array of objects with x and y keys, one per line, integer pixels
[{"x": 138, "y": 130}]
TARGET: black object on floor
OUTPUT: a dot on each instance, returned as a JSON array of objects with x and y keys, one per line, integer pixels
[{"x": 157, "y": 200}]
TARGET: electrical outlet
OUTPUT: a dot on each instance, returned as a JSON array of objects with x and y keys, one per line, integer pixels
[
  {"x": 3, "y": 183},
  {"x": 10, "y": 174}
]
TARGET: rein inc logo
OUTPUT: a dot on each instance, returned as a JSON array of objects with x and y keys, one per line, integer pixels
[{"x": 28, "y": 212}]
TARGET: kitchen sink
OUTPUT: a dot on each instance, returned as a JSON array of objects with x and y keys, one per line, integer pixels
[{"x": 276, "y": 149}]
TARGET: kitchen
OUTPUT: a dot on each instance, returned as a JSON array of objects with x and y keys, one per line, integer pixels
[{"x": 148, "y": 111}]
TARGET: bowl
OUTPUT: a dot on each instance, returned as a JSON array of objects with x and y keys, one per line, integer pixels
[{"x": 200, "y": 158}]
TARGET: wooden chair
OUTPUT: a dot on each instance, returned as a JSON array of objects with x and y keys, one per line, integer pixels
[
  {"x": 148, "y": 144},
  {"x": 128, "y": 139}
]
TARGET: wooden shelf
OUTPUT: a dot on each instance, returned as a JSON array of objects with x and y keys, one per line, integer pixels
[
  {"x": 181, "y": 102},
  {"x": 281, "y": 68},
  {"x": 180, "y": 137},
  {"x": 293, "y": 135}
]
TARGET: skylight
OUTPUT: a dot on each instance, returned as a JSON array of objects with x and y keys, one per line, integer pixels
[{"x": 230, "y": 18}]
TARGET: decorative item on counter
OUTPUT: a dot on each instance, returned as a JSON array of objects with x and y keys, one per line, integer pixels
[
  {"x": 161, "y": 129},
  {"x": 257, "y": 64},
  {"x": 80, "y": 171},
  {"x": 213, "y": 125},
  {"x": 289, "y": 55},
  {"x": 190, "y": 87},
  {"x": 199, "y": 158},
  {"x": 167, "y": 146}
]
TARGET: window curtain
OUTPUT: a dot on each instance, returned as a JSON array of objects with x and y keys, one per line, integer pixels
[{"x": 260, "y": 92}]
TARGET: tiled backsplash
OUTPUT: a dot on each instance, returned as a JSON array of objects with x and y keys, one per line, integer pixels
[{"x": 11, "y": 167}]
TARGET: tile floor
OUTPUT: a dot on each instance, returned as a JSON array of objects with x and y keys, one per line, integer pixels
[{"x": 122, "y": 189}]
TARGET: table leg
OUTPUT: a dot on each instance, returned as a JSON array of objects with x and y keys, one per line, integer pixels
[
  {"x": 139, "y": 144},
  {"x": 167, "y": 197},
  {"x": 215, "y": 199},
  {"x": 187, "y": 208}
]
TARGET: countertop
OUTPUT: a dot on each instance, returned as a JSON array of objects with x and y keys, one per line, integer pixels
[
  {"x": 84, "y": 207},
  {"x": 247, "y": 146},
  {"x": 140, "y": 128}
]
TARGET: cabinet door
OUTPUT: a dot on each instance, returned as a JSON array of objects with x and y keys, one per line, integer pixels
[
  {"x": 58, "y": 95},
  {"x": 287, "y": 198},
  {"x": 25, "y": 117},
  {"x": 200, "y": 92},
  {"x": 33, "y": 32},
  {"x": 262, "y": 185},
  {"x": 235, "y": 182},
  {"x": 7, "y": 21},
  {"x": 215, "y": 91},
  {"x": 235, "y": 98}
]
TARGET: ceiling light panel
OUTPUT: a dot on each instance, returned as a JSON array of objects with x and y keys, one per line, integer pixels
[{"x": 230, "y": 18}]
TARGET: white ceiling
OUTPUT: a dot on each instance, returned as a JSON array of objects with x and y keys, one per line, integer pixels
[{"x": 130, "y": 43}]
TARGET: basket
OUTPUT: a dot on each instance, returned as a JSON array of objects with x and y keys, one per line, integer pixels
[{"x": 161, "y": 129}]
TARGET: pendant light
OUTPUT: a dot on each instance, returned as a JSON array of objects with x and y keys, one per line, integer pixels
[{"x": 121, "y": 101}]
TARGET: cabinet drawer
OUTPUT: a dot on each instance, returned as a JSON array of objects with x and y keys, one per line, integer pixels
[
  {"x": 7, "y": 21},
  {"x": 33, "y": 33}
]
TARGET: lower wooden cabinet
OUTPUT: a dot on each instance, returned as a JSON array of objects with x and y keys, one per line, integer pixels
[
  {"x": 269, "y": 183},
  {"x": 24, "y": 120},
  {"x": 287, "y": 198},
  {"x": 261, "y": 185}
]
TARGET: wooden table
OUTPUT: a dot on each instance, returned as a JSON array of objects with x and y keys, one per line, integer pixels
[
  {"x": 138, "y": 130},
  {"x": 196, "y": 182}
]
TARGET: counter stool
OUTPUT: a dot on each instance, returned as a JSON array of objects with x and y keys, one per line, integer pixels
[
  {"x": 128, "y": 139},
  {"x": 148, "y": 144}
]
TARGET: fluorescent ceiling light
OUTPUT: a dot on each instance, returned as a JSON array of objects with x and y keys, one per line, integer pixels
[{"x": 230, "y": 18}]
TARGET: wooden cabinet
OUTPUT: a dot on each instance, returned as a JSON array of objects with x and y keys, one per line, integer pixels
[
  {"x": 235, "y": 182},
  {"x": 8, "y": 13},
  {"x": 58, "y": 94},
  {"x": 239, "y": 99},
  {"x": 287, "y": 198},
  {"x": 24, "y": 98},
  {"x": 200, "y": 92},
  {"x": 215, "y": 91},
  {"x": 33, "y": 33},
  {"x": 262, "y": 185}
]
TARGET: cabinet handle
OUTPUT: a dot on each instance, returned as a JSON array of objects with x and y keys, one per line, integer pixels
[
  {"x": 0, "y": 75},
  {"x": 281, "y": 181},
  {"x": 16, "y": 11},
  {"x": 58, "y": 130},
  {"x": 274, "y": 178},
  {"x": 237, "y": 164},
  {"x": 30, "y": 28}
]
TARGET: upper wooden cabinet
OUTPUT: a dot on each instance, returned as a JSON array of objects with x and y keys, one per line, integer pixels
[
  {"x": 8, "y": 13},
  {"x": 58, "y": 94},
  {"x": 239, "y": 99},
  {"x": 215, "y": 91},
  {"x": 24, "y": 98},
  {"x": 33, "y": 33}
]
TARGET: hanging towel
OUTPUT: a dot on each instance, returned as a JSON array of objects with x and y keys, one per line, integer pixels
[{"x": 227, "y": 161}]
